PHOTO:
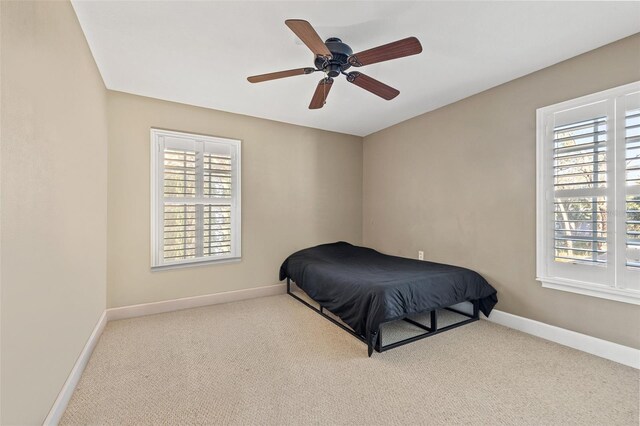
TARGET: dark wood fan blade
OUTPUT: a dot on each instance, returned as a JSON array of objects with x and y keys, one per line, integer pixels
[
  {"x": 309, "y": 36},
  {"x": 397, "y": 49},
  {"x": 280, "y": 74},
  {"x": 372, "y": 85},
  {"x": 321, "y": 93}
]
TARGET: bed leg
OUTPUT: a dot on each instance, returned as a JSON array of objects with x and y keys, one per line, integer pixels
[
  {"x": 476, "y": 309},
  {"x": 371, "y": 339},
  {"x": 288, "y": 285},
  {"x": 378, "y": 346},
  {"x": 434, "y": 321}
]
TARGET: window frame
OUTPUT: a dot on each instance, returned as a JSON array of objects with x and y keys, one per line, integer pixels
[
  {"x": 157, "y": 200},
  {"x": 612, "y": 285}
]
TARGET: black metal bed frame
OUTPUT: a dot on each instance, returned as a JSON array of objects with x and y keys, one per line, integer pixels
[{"x": 430, "y": 330}]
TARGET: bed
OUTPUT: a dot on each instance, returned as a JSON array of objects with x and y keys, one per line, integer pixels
[{"x": 366, "y": 289}]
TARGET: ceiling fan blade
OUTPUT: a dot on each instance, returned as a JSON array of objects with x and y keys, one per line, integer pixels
[
  {"x": 309, "y": 36},
  {"x": 398, "y": 49},
  {"x": 280, "y": 74},
  {"x": 321, "y": 93},
  {"x": 372, "y": 85}
]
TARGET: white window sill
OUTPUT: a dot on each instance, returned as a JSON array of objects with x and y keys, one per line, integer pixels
[
  {"x": 191, "y": 264},
  {"x": 589, "y": 289}
]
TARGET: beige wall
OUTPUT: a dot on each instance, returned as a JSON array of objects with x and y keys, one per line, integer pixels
[
  {"x": 300, "y": 187},
  {"x": 459, "y": 183},
  {"x": 54, "y": 202}
]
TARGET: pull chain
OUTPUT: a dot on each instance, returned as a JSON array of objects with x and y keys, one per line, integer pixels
[{"x": 324, "y": 91}]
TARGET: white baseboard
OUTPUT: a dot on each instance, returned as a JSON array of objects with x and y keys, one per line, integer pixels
[
  {"x": 57, "y": 410},
  {"x": 193, "y": 302},
  {"x": 599, "y": 347}
]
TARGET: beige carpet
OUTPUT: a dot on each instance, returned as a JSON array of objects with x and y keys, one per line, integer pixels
[{"x": 273, "y": 361}]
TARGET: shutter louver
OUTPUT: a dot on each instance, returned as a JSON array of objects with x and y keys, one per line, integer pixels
[
  {"x": 217, "y": 175},
  {"x": 579, "y": 171},
  {"x": 579, "y": 154},
  {"x": 632, "y": 179},
  {"x": 217, "y": 229},
  {"x": 179, "y": 173},
  {"x": 179, "y": 231}
]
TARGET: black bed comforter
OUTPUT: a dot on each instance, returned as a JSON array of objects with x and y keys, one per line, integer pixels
[{"x": 366, "y": 288}]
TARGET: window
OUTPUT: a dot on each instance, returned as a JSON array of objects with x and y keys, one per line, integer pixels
[
  {"x": 588, "y": 198},
  {"x": 195, "y": 199}
]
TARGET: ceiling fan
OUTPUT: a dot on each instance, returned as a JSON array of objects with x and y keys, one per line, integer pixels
[{"x": 333, "y": 57}]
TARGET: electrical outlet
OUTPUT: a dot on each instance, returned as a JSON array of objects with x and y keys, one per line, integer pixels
[{"x": 420, "y": 255}]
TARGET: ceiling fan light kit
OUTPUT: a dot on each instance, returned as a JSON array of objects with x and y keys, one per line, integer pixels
[{"x": 333, "y": 57}]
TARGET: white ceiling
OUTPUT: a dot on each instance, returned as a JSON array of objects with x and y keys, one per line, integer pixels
[{"x": 200, "y": 53}]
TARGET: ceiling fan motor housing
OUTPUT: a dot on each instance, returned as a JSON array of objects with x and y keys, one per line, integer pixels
[{"x": 339, "y": 62}]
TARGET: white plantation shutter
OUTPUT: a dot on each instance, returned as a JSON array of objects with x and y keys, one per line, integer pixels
[
  {"x": 217, "y": 229},
  {"x": 630, "y": 191},
  {"x": 217, "y": 175},
  {"x": 579, "y": 192},
  {"x": 195, "y": 198},
  {"x": 632, "y": 199},
  {"x": 179, "y": 233},
  {"x": 589, "y": 195},
  {"x": 580, "y": 181},
  {"x": 179, "y": 173}
]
